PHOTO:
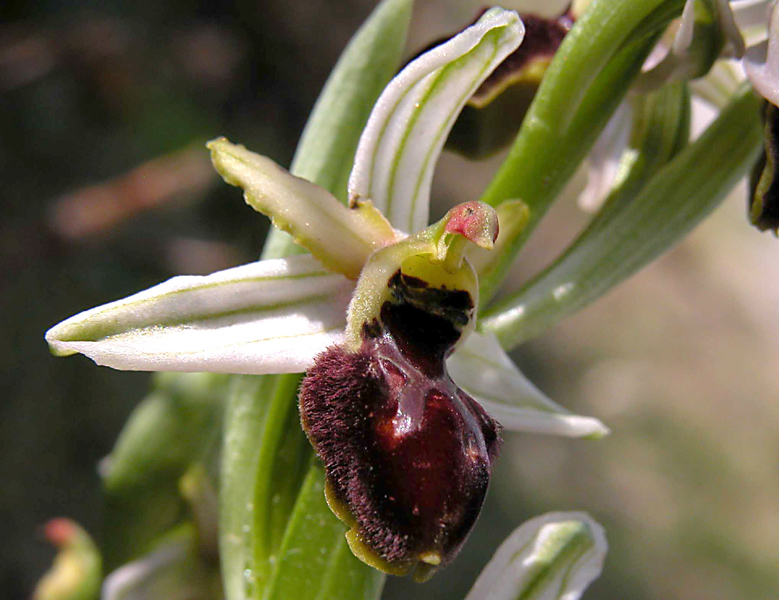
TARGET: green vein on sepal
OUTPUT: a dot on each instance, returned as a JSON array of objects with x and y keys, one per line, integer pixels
[
  {"x": 325, "y": 153},
  {"x": 408, "y": 127}
]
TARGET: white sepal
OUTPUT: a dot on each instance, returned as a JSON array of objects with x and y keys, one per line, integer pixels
[
  {"x": 605, "y": 158},
  {"x": 552, "y": 557},
  {"x": 272, "y": 316},
  {"x": 407, "y": 129},
  {"x": 484, "y": 370},
  {"x": 761, "y": 63}
]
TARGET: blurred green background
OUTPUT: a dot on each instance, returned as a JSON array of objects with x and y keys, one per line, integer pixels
[{"x": 107, "y": 189}]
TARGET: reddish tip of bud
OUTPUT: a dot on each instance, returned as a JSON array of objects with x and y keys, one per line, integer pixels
[
  {"x": 60, "y": 531},
  {"x": 475, "y": 221}
]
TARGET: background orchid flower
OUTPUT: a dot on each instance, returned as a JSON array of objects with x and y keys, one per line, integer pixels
[
  {"x": 554, "y": 557},
  {"x": 695, "y": 48}
]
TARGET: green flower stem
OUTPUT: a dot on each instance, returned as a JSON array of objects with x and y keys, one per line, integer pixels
[
  {"x": 283, "y": 460},
  {"x": 245, "y": 423},
  {"x": 266, "y": 456},
  {"x": 314, "y": 561},
  {"x": 676, "y": 199},
  {"x": 586, "y": 80},
  {"x": 249, "y": 534}
]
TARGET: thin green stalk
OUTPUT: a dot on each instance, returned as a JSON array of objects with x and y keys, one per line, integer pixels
[
  {"x": 255, "y": 499},
  {"x": 245, "y": 422},
  {"x": 674, "y": 201},
  {"x": 284, "y": 455},
  {"x": 314, "y": 562},
  {"x": 585, "y": 82}
]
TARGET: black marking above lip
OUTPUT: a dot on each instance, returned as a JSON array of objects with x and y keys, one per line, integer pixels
[{"x": 456, "y": 306}]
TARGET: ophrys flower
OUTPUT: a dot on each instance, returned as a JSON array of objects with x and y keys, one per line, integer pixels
[{"x": 277, "y": 316}]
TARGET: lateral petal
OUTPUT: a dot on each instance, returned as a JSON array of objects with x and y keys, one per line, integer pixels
[
  {"x": 340, "y": 238},
  {"x": 411, "y": 120}
]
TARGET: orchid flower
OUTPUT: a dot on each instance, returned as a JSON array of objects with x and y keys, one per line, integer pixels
[
  {"x": 308, "y": 312},
  {"x": 707, "y": 31}
]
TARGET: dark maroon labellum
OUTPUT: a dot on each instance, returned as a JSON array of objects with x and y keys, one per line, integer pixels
[{"x": 407, "y": 453}]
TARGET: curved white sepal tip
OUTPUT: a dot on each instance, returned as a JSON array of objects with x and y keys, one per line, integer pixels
[
  {"x": 484, "y": 370},
  {"x": 409, "y": 124}
]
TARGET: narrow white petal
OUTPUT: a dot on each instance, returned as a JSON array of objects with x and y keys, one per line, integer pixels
[
  {"x": 484, "y": 370},
  {"x": 761, "y": 62},
  {"x": 411, "y": 120},
  {"x": 272, "y": 316},
  {"x": 604, "y": 159},
  {"x": 552, "y": 557}
]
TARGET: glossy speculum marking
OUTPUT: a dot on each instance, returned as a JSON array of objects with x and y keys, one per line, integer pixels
[{"x": 407, "y": 453}]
